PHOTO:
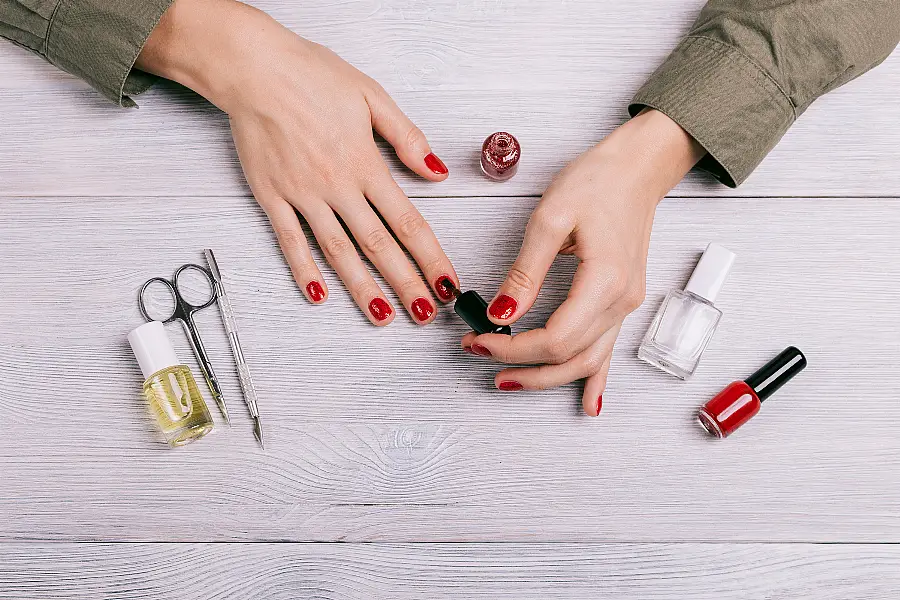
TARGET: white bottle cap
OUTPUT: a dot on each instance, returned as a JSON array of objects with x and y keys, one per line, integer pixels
[
  {"x": 711, "y": 272},
  {"x": 152, "y": 348}
]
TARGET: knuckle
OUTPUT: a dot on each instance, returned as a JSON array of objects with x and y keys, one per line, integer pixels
[
  {"x": 546, "y": 221},
  {"x": 376, "y": 241},
  {"x": 520, "y": 279},
  {"x": 559, "y": 349},
  {"x": 336, "y": 248},
  {"x": 616, "y": 284},
  {"x": 539, "y": 383},
  {"x": 363, "y": 291},
  {"x": 411, "y": 223},
  {"x": 290, "y": 237},
  {"x": 593, "y": 364},
  {"x": 375, "y": 87},
  {"x": 434, "y": 265},
  {"x": 415, "y": 138},
  {"x": 543, "y": 380},
  {"x": 408, "y": 287},
  {"x": 367, "y": 168}
]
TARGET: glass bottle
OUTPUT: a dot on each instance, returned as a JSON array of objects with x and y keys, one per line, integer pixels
[
  {"x": 741, "y": 400},
  {"x": 687, "y": 319},
  {"x": 500, "y": 154},
  {"x": 170, "y": 389}
]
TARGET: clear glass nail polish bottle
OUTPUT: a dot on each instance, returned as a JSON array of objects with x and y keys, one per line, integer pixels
[
  {"x": 170, "y": 389},
  {"x": 688, "y": 319}
]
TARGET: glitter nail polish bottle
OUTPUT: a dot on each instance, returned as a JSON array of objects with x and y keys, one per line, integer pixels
[{"x": 500, "y": 155}]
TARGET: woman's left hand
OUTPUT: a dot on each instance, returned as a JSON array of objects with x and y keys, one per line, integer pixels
[{"x": 600, "y": 209}]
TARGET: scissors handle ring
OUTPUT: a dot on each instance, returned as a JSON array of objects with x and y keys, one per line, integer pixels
[
  {"x": 209, "y": 278},
  {"x": 172, "y": 291}
]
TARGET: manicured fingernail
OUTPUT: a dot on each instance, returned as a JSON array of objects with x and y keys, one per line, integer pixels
[
  {"x": 599, "y": 404},
  {"x": 380, "y": 309},
  {"x": 503, "y": 307},
  {"x": 468, "y": 349},
  {"x": 315, "y": 291},
  {"x": 444, "y": 287},
  {"x": 436, "y": 165},
  {"x": 422, "y": 309},
  {"x": 510, "y": 386},
  {"x": 480, "y": 350}
]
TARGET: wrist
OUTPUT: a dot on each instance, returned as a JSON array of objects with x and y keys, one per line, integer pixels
[
  {"x": 658, "y": 151},
  {"x": 204, "y": 45}
]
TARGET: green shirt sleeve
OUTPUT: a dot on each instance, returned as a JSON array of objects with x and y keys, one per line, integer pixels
[
  {"x": 748, "y": 68},
  {"x": 96, "y": 40}
]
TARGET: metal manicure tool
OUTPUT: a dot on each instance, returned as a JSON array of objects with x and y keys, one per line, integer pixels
[
  {"x": 184, "y": 311},
  {"x": 231, "y": 328}
]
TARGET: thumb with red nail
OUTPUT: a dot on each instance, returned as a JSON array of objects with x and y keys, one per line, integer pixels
[{"x": 599, "y": 209}]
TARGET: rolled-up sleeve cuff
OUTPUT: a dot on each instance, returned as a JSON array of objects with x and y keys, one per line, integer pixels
[
  {"x": 100, "y": 40},
  {"x": 724, "y": 101}
]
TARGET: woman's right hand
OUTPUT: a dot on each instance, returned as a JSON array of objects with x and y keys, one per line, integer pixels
[{"x": 302, "y": 121}]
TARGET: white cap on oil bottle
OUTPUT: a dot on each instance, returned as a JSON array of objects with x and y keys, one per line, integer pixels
[{"x": 152, "y": 348}]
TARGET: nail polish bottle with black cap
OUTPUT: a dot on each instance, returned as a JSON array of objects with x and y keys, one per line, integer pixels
[
  {"x": 472, "y": 308},
  {"x": 740, "y": 401}
]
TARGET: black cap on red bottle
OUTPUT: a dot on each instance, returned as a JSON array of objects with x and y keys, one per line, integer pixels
[
  {"x": 473, "y": 310},
  {"x": 777, "y": 372}
]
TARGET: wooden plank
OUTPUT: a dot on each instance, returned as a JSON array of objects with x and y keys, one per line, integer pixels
[
  {"x": 395, "y": 435},
  {"x": 275, "y": 571},
  {"x": 557, "y": 74}
]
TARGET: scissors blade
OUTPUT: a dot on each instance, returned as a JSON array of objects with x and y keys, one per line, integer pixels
[
  {"x": 205, "y": 366},
  {"x": 220, "y": 401}
]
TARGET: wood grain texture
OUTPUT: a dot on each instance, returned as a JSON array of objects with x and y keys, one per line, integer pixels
[
  {"x": 396, "y": 435},
  {"x": 520, "y": 571},
  {"x": 390, "y": 436},
  {"x": 556, "y": 73}
]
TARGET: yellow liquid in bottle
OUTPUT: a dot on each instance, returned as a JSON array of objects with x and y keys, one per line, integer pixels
[{"x": 177, "y": 405}]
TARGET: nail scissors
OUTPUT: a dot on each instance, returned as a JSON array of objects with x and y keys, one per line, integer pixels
[{"x": 184, "y": 311}]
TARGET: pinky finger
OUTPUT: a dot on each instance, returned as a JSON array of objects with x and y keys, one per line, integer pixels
[
  {"x": 594, "y": 386},
  {"x": 296, "y": 251}
]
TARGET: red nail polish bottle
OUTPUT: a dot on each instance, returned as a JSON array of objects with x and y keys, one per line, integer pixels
[
  {"x": 500, "y": 155},
  {"x": 740, "y": 401}
]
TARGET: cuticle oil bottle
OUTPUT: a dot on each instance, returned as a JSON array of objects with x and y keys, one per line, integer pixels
[{"x": 170, "y": 389}]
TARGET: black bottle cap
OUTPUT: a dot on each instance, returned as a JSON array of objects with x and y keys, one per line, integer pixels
[
  {"x": 473, "y": 310},
  {"x": 777, "y": 372}
]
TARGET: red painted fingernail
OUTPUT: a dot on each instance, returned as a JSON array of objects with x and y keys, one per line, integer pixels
[
  {"x": 380, "y": 309},
  {"x": 315, "y": 291},
  {"x": 599, "y": 404},
  {"x": 436, "y": 165},
  {"x": 468, "y": 349},
  {"x": 422, "y": 309},
  {"x": 444, "y": 287},
  {"x": 503, "y": 307},
  {"x": 510, "y": 386},
  {"x": 480, "y": 350}
]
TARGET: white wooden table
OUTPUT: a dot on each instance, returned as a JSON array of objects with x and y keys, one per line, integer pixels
[{"x": 382, "y": 479}]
